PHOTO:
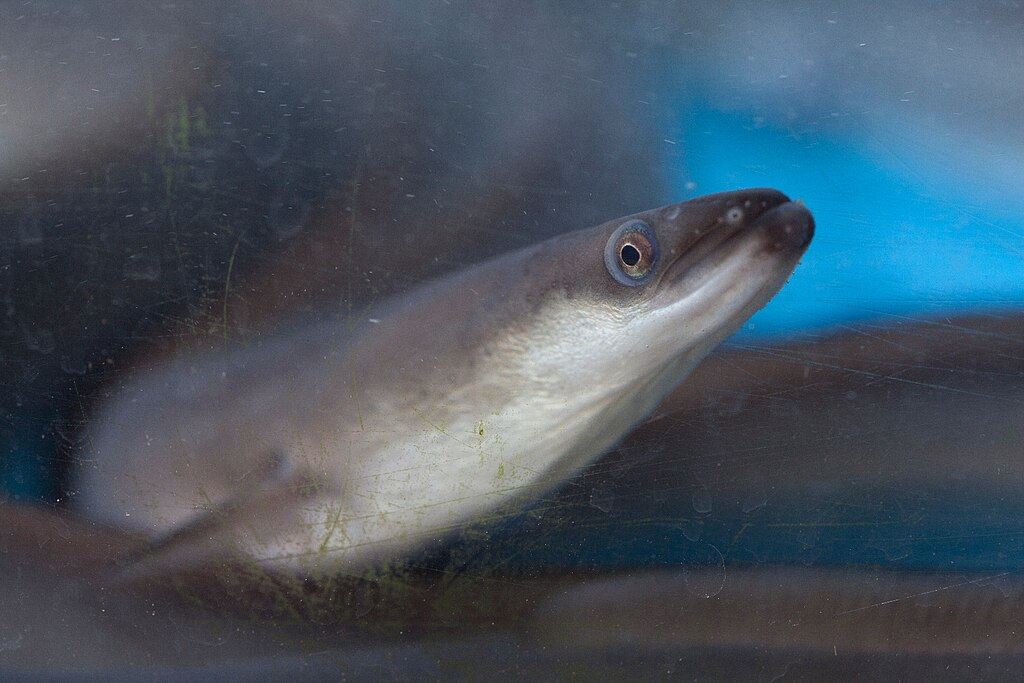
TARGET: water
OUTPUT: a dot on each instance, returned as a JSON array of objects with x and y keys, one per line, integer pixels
[{"x": 193, "y": 174}]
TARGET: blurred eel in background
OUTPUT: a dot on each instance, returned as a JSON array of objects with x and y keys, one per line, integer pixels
[{"x": 835, "y": 474}]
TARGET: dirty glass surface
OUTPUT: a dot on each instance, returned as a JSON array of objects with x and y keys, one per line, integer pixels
[{"x": 196, "y": 193}]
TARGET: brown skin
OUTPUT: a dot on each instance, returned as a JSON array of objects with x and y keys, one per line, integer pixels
[
  {"x": 57, "y": 542},
  {"x": 475, "y": 305}
]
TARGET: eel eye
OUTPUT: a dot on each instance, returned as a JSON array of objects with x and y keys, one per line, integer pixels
[{"x": 631, "y": 253}]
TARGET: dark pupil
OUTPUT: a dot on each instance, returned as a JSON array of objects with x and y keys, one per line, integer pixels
[{"x": 630, "y": 255}]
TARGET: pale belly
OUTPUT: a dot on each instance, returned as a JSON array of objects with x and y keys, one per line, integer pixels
[{"x": 422, "y": 479}]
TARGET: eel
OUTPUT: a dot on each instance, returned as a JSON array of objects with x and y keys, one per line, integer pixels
[
  {"x": 334, "y": 444},
  {"x": 894, "y": 443},
  {"x": 785, "y": 618}
]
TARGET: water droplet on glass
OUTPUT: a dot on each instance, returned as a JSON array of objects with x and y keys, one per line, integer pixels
[
  {"x": 707, "y": 578},
  {"x": 755, "y": 498},
  {"x": 37, "y": 339},
  {"x": 266, "y": 144},
  {"x": 142, "y": 265},
  {"x": 691, "y": 529},
  {"x": 30, "y": 230},
  {"x": 73, "y": 364},
  {"x": 701, "y": 501}
]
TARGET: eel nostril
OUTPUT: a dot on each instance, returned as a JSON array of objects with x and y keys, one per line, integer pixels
[{"x": 734, "y": 215}]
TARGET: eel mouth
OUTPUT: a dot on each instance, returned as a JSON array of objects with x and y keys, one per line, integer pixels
[
  {"x": 784, "y": 231},
  {"x": 788, "y": 227}
]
